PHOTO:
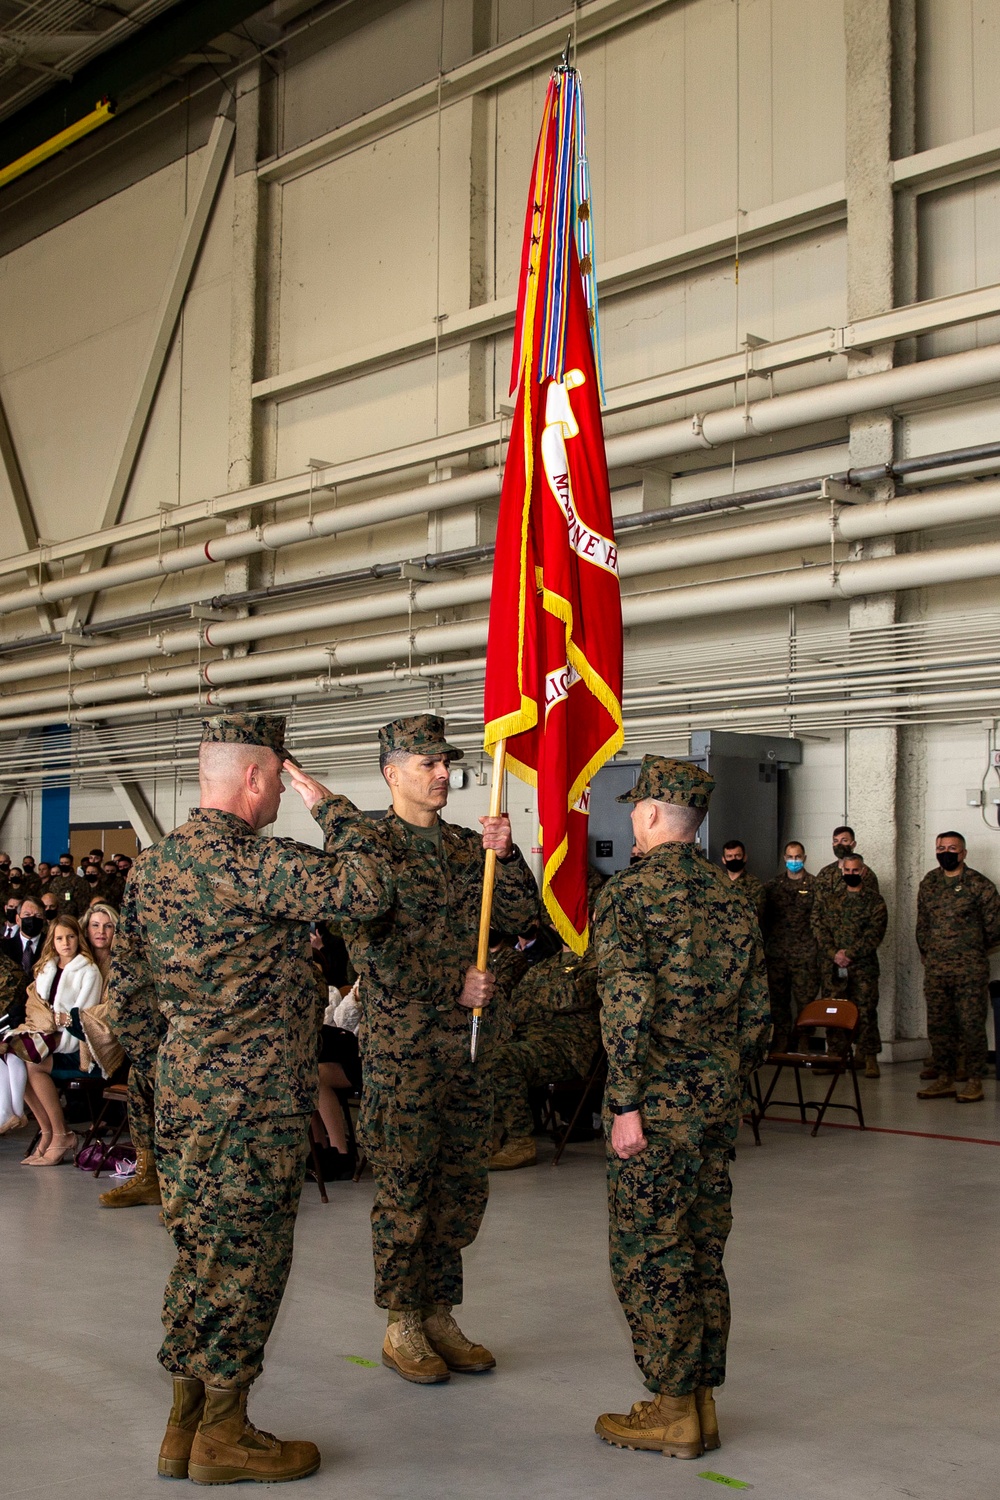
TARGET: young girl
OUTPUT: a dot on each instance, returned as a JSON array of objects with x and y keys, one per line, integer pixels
[{"x": 66, "y": 980}]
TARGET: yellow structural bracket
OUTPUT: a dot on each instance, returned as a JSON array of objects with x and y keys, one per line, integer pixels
[{"x": 98, "y": 115}]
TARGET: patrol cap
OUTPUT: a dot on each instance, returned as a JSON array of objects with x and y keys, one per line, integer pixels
[
  {"x": 420, "y": 734},
  {"x": 248, "y": 729},
  {"x": 676, "y": 781}
]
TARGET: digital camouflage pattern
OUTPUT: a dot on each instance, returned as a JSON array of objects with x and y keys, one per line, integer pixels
[
  {"x": 212, "y": 994},
  {"x": 71, "y": 892},
  {"x": 420, "y": 734},
  {"x": 684, "y": 1015},
  {"x": 555, "y": 1034},
  {"x": 853, "y": 921},
  {"x": 790, "y": 949},
  {"x": 266, "y": 730},
  {"x": 831, "y": 877},
  {"x": 676, "y": 781},
  {"x": 141, "y": 1109},
  {"x": 751, "y": 890},
  {"x": 230, "y": 1192},
  {"x": 958, "y": 922},
  {"x": 426, "y": 1111},
  {"x": 13, "y": 990}
]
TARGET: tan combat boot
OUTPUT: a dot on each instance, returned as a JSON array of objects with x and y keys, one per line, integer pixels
[
  {"x": 182, "y": 1424},
  {"x": 144, "y": 1187},
  {"x": 943, "y": 1088},
  {"x": 518, "y": 1152},
  {"x": 971, "y": 1092},
  {"x": 872, "y": 1069},
  {"x": 930, "y": 1069},
  {"x": 708, "y": 1419},
  {"x": 407, "y": 1351},
  {"x": 667, "y": 1424},
  {"x": 459, "y": 1353},
  {"x": 227, "y": 1447}
]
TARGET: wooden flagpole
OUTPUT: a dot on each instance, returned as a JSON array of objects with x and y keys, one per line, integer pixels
[{"x": 489, "y": 878}]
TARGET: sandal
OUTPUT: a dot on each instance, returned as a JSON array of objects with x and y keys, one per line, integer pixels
[
  {"x": 63, "y": 1147},
  {"x": 39, "y": 1151}
]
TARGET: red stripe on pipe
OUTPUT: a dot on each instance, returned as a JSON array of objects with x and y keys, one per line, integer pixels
[
  {"x": 926, "y": 1135},
  {"x": 208, "y": 552}
]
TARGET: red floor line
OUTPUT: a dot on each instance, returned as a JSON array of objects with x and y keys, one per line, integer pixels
[{"x": 927, "y": 1135}]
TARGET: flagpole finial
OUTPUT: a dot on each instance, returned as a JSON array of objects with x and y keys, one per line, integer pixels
[{"x": 564, "y": 62}]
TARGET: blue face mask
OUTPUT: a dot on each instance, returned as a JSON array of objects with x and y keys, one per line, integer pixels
[{"x": 795, "y": 865}]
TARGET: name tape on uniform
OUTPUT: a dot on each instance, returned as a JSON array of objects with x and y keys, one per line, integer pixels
[{"x": 734, "y": 1484}]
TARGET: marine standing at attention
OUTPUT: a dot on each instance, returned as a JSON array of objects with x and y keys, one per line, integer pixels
[
  {"x": 427, "y": 1109},
  {"x": 789, "y": 943},
  {"x": 213, "y": 994},
  {"x": 684, "y": 1012}
]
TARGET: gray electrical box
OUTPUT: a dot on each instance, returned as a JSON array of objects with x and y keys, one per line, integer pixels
[{"x": 745, "y": 802}]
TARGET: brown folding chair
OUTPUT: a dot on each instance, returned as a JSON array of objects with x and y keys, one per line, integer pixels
[
  {"x": 316, "y": 1160},
  {"x": 115, "y": 1094},
  {"x": 833, "y": 1017},
  {"x": 589, "y": 1089}
]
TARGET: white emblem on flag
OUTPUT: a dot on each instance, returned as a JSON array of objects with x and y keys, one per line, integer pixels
[
  {"x": 558, "y": 684},
  {"x": 561, "y": 424}
]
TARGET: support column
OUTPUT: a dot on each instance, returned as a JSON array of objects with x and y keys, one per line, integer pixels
[{"x": 873, "y": 753}]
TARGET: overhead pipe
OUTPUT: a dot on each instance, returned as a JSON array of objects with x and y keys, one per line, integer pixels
[
  {"x": 934, "y": 377},
  {"x": 851, "y": 523}
]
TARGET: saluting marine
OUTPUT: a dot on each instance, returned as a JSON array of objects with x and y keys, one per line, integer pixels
[
  {"x": 212, "y": 993},
  {"x": 684, "y": 1013}
]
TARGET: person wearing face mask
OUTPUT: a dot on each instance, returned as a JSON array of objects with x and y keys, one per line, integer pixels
[
  {"x": 72, "y": 892},
  {"x": 9, "y": 919},
  {"x": 734, "y": 862},
  {"x": 50, "y": 906},
  {"x": 789, "y": 944},
  {"x": 829, "y": 878},
  {"x": 16, "y": 890},
  {"x": 958, "y": 922},
  {"x": 31, "y": 885},
  {"x": 849, "y": 923},
  {"x": 4, "y": 875},
  {"x": 24, "y": 944}
]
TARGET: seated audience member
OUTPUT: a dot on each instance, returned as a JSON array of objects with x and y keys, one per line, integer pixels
[
  {"x": 9, "y": 920},
  {"x": 44, "y": 873},
  {"x": 50, "y": 905},
  {"x": 24, "y": 945},
  {"x": 67, "y": 982},
  {"x": 555, "y": 1015},
  {"x": 13, "y": 1071}
]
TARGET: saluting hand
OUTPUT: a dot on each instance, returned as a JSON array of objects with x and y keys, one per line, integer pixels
[
  {"x": 627, "y": 1135},
  {"x": 311, "y": 791},
  {"x": 477, "y": 989},
  {"x": 497, "y": 835}
]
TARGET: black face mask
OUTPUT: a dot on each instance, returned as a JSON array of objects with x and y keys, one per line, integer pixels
[
  {"x": 92, "y": 876},
  {"x": 948, "y": 859},
  {"x": 16, "y": 882},
  {"x": 31, "y": 926},
  {"x": 50, "y": 913},
  {"x": 840, "y": 850},
  {"x": 734, "y": 864},
  {"x": 10, "y": 912},
  {"x": 854, "y": 879},
  {"x": 65, "y": 869}
]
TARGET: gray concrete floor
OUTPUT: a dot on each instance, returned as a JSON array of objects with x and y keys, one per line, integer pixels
[{"x": 862, "y": 1359}]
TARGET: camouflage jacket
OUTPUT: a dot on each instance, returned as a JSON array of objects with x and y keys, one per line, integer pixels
[
  {"x": 559, "y": 997},
  {"x": 72, "y": 893},
  {"x": 752, "y": 891},
  {"x": 788, "y": 909},
  {"x": 831, "y": 877},
  {"x": 413, "y": 952},
  {"x": 214, "y": 938},
  {"x": 958, "y": 921},
  {"x": 13, "y": 990},
  {"x": 684, "y": 1002},
  {"x": 854, "y": 921}
]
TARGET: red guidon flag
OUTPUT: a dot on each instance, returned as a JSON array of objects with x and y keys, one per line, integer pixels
[{"x": 554, "y": 658}]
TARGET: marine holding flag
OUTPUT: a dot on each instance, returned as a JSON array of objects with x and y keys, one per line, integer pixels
[{"x": 554, "y": 658}]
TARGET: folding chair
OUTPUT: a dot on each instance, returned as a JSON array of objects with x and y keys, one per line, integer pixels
[
  {"x": 831, "y": 1016},
  {"x": 115, "y": 1095},
  {"x": 590, "y": 1089},
  {"x": 315, "y": 1156}
]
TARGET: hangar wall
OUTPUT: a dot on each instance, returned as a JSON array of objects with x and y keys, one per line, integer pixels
[{"x": 765, "y": 172}]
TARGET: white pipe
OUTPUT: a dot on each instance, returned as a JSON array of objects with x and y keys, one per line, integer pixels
[
  {"x": 951, "y": 505},
  {"x": 933, "y": 377}
]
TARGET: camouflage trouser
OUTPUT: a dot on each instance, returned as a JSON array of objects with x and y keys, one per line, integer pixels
[
  {"x": 426, "y": 1128},
  {"x": 860, "y": 986},
  {"x": 792, "y": 982},
  {"x": 670, "y": 1217},
  {"x": 140, "y": 1109},
  {"x": 533, "y": 1058},
  {"x": 230, "y": 1192},
  {"x": 956, "y": 1020}
]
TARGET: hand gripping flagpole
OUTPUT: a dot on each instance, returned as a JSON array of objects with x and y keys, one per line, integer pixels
[{"x": 489, "y": 878}]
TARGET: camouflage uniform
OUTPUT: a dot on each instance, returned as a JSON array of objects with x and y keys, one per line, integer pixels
[
  {"x": 958, "y": 921},
  {"x": 71, "y": 891},
  {"x": 831, "y": 877},
  {"x": 684, "y": 1014},
  {"x": 13, "y": 990},
  {"x": 213, "y": 942},
  {"x": 752, "y": 891},
  {"x": 855, "y": 921},
  {"x": 790, "y": 947},
  {"x": 556, "y": 1032},
  {"x": 427, "y": 1111}
]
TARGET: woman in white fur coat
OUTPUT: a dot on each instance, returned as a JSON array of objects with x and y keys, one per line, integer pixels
[{"x": 67, "y": 981}]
